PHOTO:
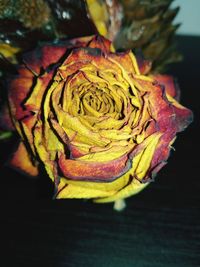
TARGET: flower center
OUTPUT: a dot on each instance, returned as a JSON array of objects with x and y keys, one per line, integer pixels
[{"x": 100, "y": 100}]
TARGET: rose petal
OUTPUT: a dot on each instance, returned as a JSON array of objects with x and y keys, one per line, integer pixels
[
  {"x": 103, "y": 44},
  {"x": 144, "y": 65},
  {"x": 21, "y": 160},
  {"x": 5, "y": 119},
  {"x": 103, "y": 171},
  {"x": 170, "y": 85}
]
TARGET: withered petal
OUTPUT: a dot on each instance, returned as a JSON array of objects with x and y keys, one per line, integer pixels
[
  {"x": 21, "y": 160},
  {"x": 95, "y": 171}
]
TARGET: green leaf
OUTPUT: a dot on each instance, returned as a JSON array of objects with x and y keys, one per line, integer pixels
[{"x": 5, "y": 135}]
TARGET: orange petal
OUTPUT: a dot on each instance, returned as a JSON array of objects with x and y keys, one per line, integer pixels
[
  {"x": 125, "y": 60},
  {"x": 21, "y": 160},
  {"x": 18, "y": 91},
  {"x": 144, "y": 65},
  {"x": 103, "y": 171},
  {"x": 100, "y": 42},
  {"x": 170, "y": 84},
  {"x": 43, "y": 57},
  {"x": 5, "y": 119}
]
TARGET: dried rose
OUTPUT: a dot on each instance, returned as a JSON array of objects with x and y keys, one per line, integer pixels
[{"x": 101, "y": 128}]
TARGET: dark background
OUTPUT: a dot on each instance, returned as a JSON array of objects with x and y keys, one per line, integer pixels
[{"x": 160, "y": 226}]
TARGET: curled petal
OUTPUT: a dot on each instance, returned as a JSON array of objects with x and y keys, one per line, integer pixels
[{"x": 103, "y": 171}]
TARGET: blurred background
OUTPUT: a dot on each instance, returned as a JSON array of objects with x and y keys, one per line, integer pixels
[{"x": 188, "y": 16}]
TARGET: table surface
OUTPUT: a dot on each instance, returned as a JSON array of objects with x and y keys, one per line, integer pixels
[{"x": 160, "y": 226}]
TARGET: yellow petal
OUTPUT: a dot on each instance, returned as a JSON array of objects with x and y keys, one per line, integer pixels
[
  {"x": 75, "y": 191},
  {"x": 41, "y": 150},
  {"x": 140, "y": 166},
  {"x": 118, "y": 188},
  {"x": 104, "y": 156},
  {"x": 130, "y": 190},
  {"x": 146, "y": 157}
]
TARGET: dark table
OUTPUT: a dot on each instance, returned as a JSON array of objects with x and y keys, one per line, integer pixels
[{"x": 160, "y": 226}]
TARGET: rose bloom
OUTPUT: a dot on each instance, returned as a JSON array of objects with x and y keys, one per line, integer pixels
[{"x": 101, "y": 127}]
